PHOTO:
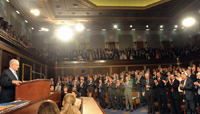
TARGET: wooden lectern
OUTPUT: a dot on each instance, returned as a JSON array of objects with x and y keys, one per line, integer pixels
[{"x": 34, "y": 92}]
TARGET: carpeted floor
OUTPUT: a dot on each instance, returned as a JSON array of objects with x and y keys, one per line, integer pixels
[{"x": 142, "y": 110}]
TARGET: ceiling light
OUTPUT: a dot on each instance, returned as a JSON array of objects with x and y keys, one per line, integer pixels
[
  {"x": 88, "y": 29},
  {"x": 132, "y": 29},
  {"x": 7, "y": 1},
  {"x": 174, "y": 29},
  {"x": 176, "y": 26},
  {"x": 161, "y": 26},
  {"x": 79, "y": 27},
  {"x": 26, "y": 21},
  {"x": 118, "y": 29},
  {"x": 35, "y": 12},
  {"x": 131, "y": 26},
  {"x": 17, "y": 12},
  {"x": 147, "y": 26},
  {"x": 115, "y": 26},
  {"x": 182, "y": 28},
  {"x": 103, "y": 29},
  {"x": 44, "y": 29},
  {"x": 64, "y": 33},
  {"x": 188, "y": 21},
  {"x": 148, "y": 29},
  {"x": 161, "y": 29},
  {"x": 32, "y": 28}
]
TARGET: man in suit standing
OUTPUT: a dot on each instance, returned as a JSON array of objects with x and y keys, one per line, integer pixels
[
  {"x": 8, "y": 81},
  {"x": 111, "y": 93},
  {"x": 102, "y": 93},
  {"x": 191, "y": 76},
  {"x": 161, "y": 93},
  {"x": 197, "y": 84},
  {"x": 187, "y": 85},
  {"x": 149, "y": 93},
  {"x": 128, "y": 94},
  {"x": 119, "y": 94},
  {"x": 173, "y": 94},
  {"x": 82, "y": 88}
]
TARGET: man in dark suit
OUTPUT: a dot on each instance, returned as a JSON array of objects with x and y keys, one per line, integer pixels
[
  {"x": 111, "y": 94},
  {"x": 187, "y": 85},
  {"x": 149, "y": 93},
  {"x": 197, "y": 84},
  {"x": 119, "y": 94},
  {"x": 102, "y": 92},
  {"x": 91, "y": 86},
  {"x": 139, "y": 80},
  {"x": 8, "y": 81},
  {"x": 82, "y": 88},
  {"x": 191, "y": 76},
  {"x": 173, "y": 94},
  {"x": 161, "y": 93}
]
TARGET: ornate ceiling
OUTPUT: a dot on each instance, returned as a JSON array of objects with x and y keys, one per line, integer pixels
[{"x": 103, "y": 13}]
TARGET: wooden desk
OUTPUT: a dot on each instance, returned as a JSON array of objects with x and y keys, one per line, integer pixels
[
  {"x": 31, "y": 107},
  {"x": 90, "y": 106}
]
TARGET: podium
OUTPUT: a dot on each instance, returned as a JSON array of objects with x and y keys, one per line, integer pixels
[{"x": 33, "y": 92}]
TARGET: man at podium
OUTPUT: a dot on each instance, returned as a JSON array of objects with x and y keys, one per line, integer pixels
[{"x": 8, "y": 81}]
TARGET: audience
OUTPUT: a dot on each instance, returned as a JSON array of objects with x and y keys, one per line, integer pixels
[{"x": 48, "y": 107}]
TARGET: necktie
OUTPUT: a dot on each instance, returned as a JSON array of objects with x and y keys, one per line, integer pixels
[
  {"x": 172, "y": 89},
  {"x": 15, "y": 73},
  {"x": 158, "y": 79},
  {"x": 183, "y": 86}
]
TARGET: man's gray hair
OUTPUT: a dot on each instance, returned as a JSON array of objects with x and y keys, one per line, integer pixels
[{"x": 12, "y": 61}]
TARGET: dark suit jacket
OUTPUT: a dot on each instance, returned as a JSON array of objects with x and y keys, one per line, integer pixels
[
  {"x": 83, "y": 89},
  {"x": 189, "y": 89},
  {"x": 175, "y": 93},
  {"x": 7, "y": 88},
  {"x": 193, "y": 77},
  {"x": 103, "y": 89},
  {"x": 161, "y": 87},
  {"x": 151, "y": 89}
]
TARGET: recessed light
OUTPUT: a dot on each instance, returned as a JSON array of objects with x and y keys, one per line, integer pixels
[
  {"x": 103, "y": 29},
  {"x": 17, "y": 12},
  {"x": 132, "y": 29},
  {"x": 131, "y": 26},
  {"x": 161, "y": 26},
  {"x": 176, "y": 26},
  {"x": 148, "y": 29},
  {"x": 32, "y": 28},
  {"x": 7, "y": 1},
  {"x": 118, "y": 29},
  {"x": 26, "y": 21},
  {"x": 115, "y": 26},
  {"x": 35, "y": 12},
  {"x": 88, "y": 29},
  {"x": 147, "y": 26},
  {"x": 174, "y": 29},
  {"x": 161, "y": 29}
]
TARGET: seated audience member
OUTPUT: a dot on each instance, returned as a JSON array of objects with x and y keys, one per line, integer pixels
[
  {"x": 64, "y": 92},
  {"x": 68, "y": 103},
  {"x": 78, "y": 101},
  {"x": 58, "y": 87},
  {"x": 51, "y": 88},
  {"x": 48, "y": 107}
]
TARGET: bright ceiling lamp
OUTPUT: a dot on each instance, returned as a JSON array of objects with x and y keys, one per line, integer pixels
[
  {"x": 79, "y": 27},
  {"x": 64, "y": 33},
  {"x": 35, "y": 12},
  {"x": 188, "y": 21}
]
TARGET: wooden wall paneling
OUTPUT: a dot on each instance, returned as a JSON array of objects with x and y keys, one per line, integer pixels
[
  {"x": 101, "y": 70},
  {"x": 37, "y": 70},
  {"x": 118, "y": 69},
  {"x": 6, "y": 57},
  {"x": 51, "y": 73},
  {"x": 24, "y": 61},
  {"x": 68, "y": 72},
  {"x": 82, "y": 71},
  {"x": 136, "y": 68}
]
